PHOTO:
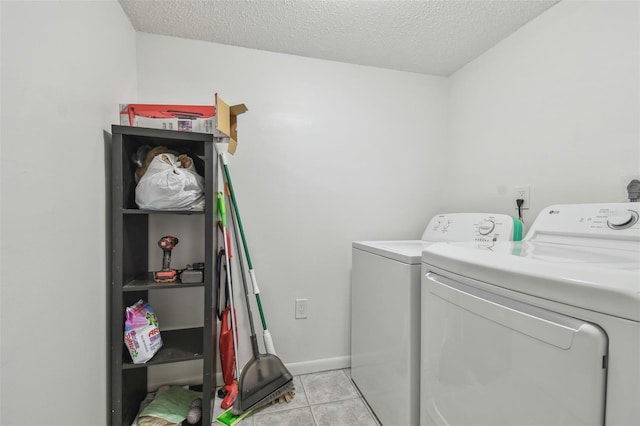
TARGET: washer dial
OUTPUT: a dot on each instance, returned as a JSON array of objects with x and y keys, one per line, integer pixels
[
  {"x": 486, "y": 227},
  {"x": 622, "y": 219}
]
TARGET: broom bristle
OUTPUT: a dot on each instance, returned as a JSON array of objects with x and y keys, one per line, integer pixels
[
  {"x": 269, "y": 399},
  {"x": 287, "y": 397}
]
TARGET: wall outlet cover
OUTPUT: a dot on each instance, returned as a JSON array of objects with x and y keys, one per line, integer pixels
[{"x": 302, "y": 308}]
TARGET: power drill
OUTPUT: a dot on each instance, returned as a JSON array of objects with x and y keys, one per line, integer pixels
[{"x": 166, "y": 275}]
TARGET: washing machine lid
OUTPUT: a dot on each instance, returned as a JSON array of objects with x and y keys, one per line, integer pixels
[
  {"x": 405, "y": 251},
  {"x": 605, "y": 280}
]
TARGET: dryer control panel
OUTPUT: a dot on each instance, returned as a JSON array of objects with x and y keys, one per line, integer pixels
[
  {"x": 480, "y": 227},
  {"x": 589, "y": 222}
]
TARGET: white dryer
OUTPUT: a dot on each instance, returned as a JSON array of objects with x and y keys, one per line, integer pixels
[
  {"x": 539, "y": 332},
  {"x": 385, "y": 314}
]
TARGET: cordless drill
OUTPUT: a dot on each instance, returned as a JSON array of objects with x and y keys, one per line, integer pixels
[{"x": 166, "y": 275}]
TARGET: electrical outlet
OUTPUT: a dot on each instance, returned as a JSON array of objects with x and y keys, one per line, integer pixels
[
  {"x": 302, "y": 308},
  {"x": 523, "y": 193}
]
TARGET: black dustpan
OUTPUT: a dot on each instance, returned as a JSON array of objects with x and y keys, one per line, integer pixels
[{"x": 263, "y": 380}]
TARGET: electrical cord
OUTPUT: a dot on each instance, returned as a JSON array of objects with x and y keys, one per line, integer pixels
[{"x": 519, "y": 203}]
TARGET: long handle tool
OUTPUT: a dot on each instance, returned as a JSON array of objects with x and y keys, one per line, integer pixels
[
  {"x": 266, "y": 334},
  {"x": 264, "y": 379},
  {"x": 232, "y": 388}
]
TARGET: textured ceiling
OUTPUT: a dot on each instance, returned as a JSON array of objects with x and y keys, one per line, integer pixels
[{"x": 430, "y": 36}]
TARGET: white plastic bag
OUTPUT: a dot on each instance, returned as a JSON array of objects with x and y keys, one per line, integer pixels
[{"x": 168, "y": 186}]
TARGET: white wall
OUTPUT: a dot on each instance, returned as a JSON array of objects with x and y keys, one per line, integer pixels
[
  {"x": 328, "y": 153},
  {"x": 320, "y": 163},
  {"x": 65, "y": 67},
  {"x": 555, "y": 106}
]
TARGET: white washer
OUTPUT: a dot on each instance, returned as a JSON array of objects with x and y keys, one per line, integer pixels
[
  {"x": 544, "y": 331},
  {"x": 385, "y": 316}
]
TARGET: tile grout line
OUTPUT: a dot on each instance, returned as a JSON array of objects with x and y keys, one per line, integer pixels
[
  {"x": 333, "y": 402},
  {"x": 315, "y": 421},
  {"x": 309, "y": 405}
]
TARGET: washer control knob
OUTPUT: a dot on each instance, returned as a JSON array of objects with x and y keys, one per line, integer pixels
[
  {"x": 622, "y": 219},
  {"x": 486, "y": 227}
]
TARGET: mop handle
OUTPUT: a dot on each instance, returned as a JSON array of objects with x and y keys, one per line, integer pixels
[
  {"x": 232, "y": 311},
  {"x": 235, "y": 206},
  {"x": 254, "y": 339},
  {"x": 252, "y": 274},
  {"x": 268, "y": 341}
]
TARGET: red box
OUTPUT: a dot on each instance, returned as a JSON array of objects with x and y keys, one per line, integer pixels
[{"x": 219, "y": 119}]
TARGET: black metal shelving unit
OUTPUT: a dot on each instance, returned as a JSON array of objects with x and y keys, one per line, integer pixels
[{"x": 131, "y": 280}]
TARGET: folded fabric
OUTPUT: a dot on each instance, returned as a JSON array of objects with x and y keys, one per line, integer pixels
[{"x": 172, "y": 406}]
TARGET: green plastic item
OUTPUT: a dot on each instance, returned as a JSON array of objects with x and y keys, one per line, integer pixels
[
  {"x": 229, "y": 419},
  {"x": 222, "y": 210},
  {"x": 517, "y": 229}
]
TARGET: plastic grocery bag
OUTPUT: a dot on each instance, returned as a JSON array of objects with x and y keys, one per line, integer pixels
[
  {"x": 141, "y": 332},
  {"x": 166, "y": 185}
]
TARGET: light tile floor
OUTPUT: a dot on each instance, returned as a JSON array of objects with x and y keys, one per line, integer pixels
[{"x": 328, "y": 398}]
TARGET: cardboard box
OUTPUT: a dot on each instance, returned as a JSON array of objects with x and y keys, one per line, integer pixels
[{"x": 220, "y": 119}]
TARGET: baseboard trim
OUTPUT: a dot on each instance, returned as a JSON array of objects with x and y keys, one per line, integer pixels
[
  {"x": 317, "y": 365},
  {"x": 308, "y": 367}
]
